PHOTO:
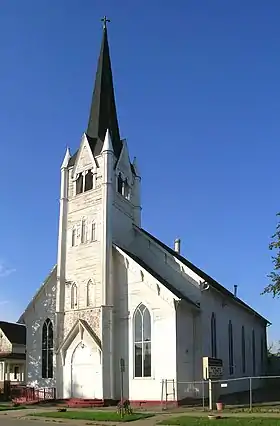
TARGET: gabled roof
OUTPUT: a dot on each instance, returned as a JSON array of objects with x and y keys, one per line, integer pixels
[
  {"x": 38, "y": 292},
  {"x": 79, "y": 327},
  {"x": 15, "y": 333},
  {"x": 12, "y": 355},
  {"x": 158, "y": 277},
  {"x": 213, "y": 283}
]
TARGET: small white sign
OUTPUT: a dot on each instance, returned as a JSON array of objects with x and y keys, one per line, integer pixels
[{"x": 223, "y": 385}]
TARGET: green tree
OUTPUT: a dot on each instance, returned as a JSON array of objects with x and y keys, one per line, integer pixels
[
  {"x": 274, "y": 286},
  {"x": 273, "y": 349}
]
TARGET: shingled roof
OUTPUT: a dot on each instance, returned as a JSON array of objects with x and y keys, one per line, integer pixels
[
  {"x": 158, "y": 277},
  {"x": 16, "y": 333},
  {"x": 213, "y": 283}
]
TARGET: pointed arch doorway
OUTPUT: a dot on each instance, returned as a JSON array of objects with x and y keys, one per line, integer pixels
[{"x": 85, "y": 372}]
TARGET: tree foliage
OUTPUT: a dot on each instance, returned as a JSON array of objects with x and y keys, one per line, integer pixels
[
  {"x": 273, "y": 350},
  {"x": 274, "y": 286}
]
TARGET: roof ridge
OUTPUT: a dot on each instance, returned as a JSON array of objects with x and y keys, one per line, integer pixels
[
  {"x": 157, "y": 276},
  {"x": 215, "y": 284}
]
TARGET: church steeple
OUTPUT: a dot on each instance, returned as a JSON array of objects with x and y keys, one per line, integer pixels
[{"x": 103, "y": 114}]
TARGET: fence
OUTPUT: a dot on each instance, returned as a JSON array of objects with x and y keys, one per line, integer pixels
[
  {"x": 243, "y": 392},
  {"x": 192, "y": 394},
  {"x": 30, "y": 394},
  {"x": 18, "y": 393},
  {"x": 247, "y": 391}
]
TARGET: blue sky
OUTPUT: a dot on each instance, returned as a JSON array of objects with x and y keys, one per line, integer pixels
[{"x": 197, "y": 87}]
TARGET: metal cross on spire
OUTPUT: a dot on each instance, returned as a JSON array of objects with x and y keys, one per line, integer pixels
[{"x": 105, "y": 20}]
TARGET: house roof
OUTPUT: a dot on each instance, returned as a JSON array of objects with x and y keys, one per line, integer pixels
[
  {"x": 158, "y": 277},
  {"x": 12, "y": 355},
  {"x": 16, "y": 333},
  {"x": 211, "y": 281}
]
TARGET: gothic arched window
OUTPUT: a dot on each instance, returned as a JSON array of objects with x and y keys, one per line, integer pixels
[
  {"x": 89, "y": 180},
  {"x": 230, "y": 347},
  {"x": 213, "y": 336},
  {"x": 83, "y": 231},
  {"x": 142, "y": 342},
  {"x": 262, "y": 353},
  {"x": 73, "y": 237},
  {"x": 74, "y": 296},
  {"x": 90, "y": 293},
  {"x": 93, "y": 232},
  {"x": 243, "y": 349},
  {"x": 126, "y": 189},
  {"x": 120, "y": 184},
  {"x": 254, "y": 352},
  {"x": 47, "y": 350},
  {"x": 79, "y": 183}
]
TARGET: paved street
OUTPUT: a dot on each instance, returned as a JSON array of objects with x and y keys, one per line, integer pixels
[{"x": 4, "y": 421}]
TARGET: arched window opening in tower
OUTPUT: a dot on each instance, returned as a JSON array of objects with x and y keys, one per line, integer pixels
[
  {"x": 89, "y": 181},
  {"x": 73, "y": 237},
  {"x": 120, "y": 184},
  {"x": 90, "y": 293},
  {"x": 79, "y": 184},
  {"x": 126, "y": 190},
  {"x": 47, "y": 350},
  {"x": 83, "y": 232},
  {"x": 93, "y": 232},
  {"x": 74, "y": 296}
]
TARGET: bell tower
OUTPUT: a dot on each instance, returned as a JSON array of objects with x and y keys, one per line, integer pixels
[{"x": 99, "y": 203}]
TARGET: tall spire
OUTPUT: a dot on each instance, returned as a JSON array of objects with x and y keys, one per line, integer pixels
[{"x": 103, "y": 114}]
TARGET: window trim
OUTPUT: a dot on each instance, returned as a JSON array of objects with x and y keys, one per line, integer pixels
[
  {"x": 142, "y": 343},
  {"x": 47, "y": 351}
]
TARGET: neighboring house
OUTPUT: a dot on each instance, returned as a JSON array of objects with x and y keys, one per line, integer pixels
[
  {"x": 119, "y": 294},
  {"x": 12, "y": 352}
]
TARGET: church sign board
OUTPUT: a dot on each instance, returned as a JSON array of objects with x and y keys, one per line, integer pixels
[{"x": 212, "y": 368}]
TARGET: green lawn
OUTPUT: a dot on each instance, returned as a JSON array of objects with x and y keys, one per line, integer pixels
[
  {"x": 7, "y": 407},
  {"x": 230, "y": 421},
  {"x": 105, "y": 416}
]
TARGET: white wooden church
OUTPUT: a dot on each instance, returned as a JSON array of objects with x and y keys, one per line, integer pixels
[{"x": 117, "y": 292}]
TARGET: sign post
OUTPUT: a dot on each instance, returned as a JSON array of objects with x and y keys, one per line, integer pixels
[
  {"x": 122, "y": 370},
  {"x": 212, "y": 369},
  {"x": 210, "y": 395}
]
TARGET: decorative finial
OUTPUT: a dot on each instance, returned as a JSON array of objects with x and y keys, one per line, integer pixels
[{"x": 105, "y": 20}]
